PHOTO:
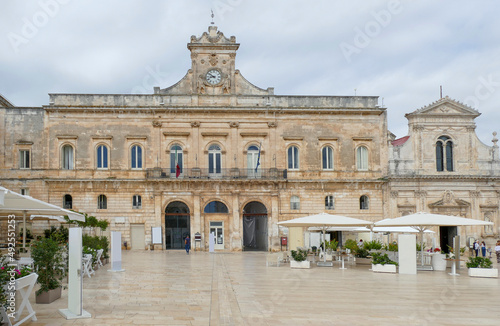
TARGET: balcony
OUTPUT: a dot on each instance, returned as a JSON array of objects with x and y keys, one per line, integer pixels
[{"x": 220, "y": 174}]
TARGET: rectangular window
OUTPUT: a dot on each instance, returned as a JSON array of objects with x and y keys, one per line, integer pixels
[
  {"x": 24, "y": 159},
  {"x": 329, "y": 204},
  {"x": 25, "y": 191},
  {"x": 136, "y": 202},
  {"x": 295, "y": 203}
]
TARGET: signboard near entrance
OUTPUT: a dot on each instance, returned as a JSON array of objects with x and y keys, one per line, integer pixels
[
  {"x": 156, "y": 235},
  {"x": 211, "y": 242}
]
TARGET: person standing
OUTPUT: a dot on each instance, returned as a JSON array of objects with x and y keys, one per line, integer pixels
[
  {"x": 187, "y": 244},
  {"x": 476, "y": 247},
  {"x": 497, "y": 250},
  {"x": 483, "y": 248}
]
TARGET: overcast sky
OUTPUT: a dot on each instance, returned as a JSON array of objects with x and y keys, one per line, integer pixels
[{"x": 400, "y": 51}]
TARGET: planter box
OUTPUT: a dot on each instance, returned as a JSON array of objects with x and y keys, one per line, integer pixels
[
  {"x": 387, "y": 268},
  {"x": 363, "y": 261},
  {"x": 300, "y": 264},
  {"x": 483, "y": 272},
  {"x": 48, "y": 297},
  {"x": 438, "y": 262}
]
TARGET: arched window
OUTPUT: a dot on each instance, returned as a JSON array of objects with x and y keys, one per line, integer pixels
[
  {"x": 136, "y": 157},
  {"x": 293, "y": 158},
  {"x": 214, "y": 160},
  {"x": 329, "y": 202},
  {"x": 327, "y": 158},
  {"x": 102, "y": 202},
  {"x": 253, "y": 161},
  {"x": 444, "y": 154},
  {"x": 67, "y": 157},
  {"x": 67, "y": 202},
  {"x": 363, "y": 202},
  {"x": 136, "y": 202},
  {"x": 102, "y": 157},
  {"x": 216, "y": 207},
  {"x": 295, "y": 203},
  {"x": 362, "y": 158},
  {"x": 176, "y": 158}
]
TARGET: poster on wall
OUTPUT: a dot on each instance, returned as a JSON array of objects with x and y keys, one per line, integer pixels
[{"x": 156, "y": 233}]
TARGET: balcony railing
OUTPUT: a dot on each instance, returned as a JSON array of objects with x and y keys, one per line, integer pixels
[{"x": 227, "y": 174}]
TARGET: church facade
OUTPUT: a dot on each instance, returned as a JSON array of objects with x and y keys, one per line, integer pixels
[{"x": 216, "y": 154}]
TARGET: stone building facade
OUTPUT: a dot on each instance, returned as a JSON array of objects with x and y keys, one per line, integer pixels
[{"x": 216, "y": 154}]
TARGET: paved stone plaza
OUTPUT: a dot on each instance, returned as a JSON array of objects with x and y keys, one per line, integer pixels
[{"x": 172, "y": 288}]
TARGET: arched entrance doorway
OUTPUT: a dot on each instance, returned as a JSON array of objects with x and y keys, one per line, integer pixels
[
  {"x": 255, "y": 227},
  {"x": 176, "y": 225}
]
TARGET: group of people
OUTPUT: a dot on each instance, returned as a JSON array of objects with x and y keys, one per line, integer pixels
[{"x": 480, "y": 246}]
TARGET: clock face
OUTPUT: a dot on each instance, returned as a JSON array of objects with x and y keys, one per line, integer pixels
[{"x": 213, "y": 77}]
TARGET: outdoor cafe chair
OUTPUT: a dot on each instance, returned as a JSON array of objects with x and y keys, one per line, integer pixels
[
  {"x": 87, "y": 265},
  {"x": 98, "y": 263}
]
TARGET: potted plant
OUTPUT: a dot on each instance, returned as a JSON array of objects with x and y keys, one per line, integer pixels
[
  {"x": 373, "y": 246},
  {"x": 481, "y": 267},
  {"x": 299, "y": 259},
  {"x": 382, "y": 264},
  {"x": 438, "y": 261},
  {"x": 48, "y": 258},
  {"x": 362, "y": 256}
]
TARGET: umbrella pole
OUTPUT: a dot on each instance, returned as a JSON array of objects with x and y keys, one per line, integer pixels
[
  {"x": 422, "y": 246},
  {"x": 24, "y": 230},
  {"x": 324, "y": 246}
]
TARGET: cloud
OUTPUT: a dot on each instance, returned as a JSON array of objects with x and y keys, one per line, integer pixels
[{"x": 294, "y": 46}]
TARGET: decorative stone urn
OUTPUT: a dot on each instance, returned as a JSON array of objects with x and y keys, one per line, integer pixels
[{"x": 438, "y": 262}]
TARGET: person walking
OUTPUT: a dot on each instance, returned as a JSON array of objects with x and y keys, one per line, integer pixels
[
  {"x": 476, "y": 247},
  {"x": 483, "y": 248},
  {"x": 497, "y": 250},
  {"x": 187, "y": 244}
]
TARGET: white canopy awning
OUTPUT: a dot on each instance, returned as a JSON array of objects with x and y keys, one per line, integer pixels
[
  {"x": 14, "y": 203},
  {"x": 423, "y": 220},
  {"x": 324, "y": 220}
]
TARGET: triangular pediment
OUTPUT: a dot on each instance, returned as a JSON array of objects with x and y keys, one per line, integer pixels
[
  {"x": 445, "y": 107},
  {"x": 449, "y": 201}
]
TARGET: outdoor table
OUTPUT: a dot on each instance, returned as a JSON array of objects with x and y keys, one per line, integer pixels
[{"x": 453, "y": 266}]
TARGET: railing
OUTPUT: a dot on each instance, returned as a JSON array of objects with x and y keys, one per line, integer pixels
[{"x": 227, "y": 174}]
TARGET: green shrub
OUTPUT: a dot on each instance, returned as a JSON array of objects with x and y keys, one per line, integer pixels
[
  {"x": 351, "y": 244},
  {"x": 373, "y": 245},
  {"x": 479, "y": 262},
  {"x": 96, "y": 243},
  {"x": 49, "y": 263},
  {"x": 391, "y": 247},
  {"x": 61, "y": 234},
  {"x": 378, "y": 258},
  {"x": 361, "y": 253},
  {"x": 332, "y": 245},
  {"x": 299, "y": 255}
]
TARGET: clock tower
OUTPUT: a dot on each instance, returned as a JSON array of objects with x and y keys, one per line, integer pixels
[
  {"x": 213, "y": 62},
  {"x": 213, "y": 69}
]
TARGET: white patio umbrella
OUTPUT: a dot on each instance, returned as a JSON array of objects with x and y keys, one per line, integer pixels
[
  {"x": 323, "y": 221},
  {"x": 422, "y": 221},
  {"x": 12, "y": 203}
]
